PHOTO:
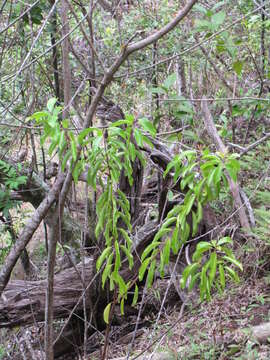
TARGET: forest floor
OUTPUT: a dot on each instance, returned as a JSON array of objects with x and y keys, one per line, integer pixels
[
  {"x": 204, "y": 331},
  {"x": 208, "y": 330}
]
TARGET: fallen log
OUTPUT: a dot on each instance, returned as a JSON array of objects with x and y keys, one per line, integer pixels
[{"x": 23, "y": 302}]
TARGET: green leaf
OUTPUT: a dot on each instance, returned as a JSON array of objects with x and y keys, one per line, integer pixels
[
  {"x": 218, "y": 18},
  {"x": 210, "y": 177},
  {"x": 161, "y": 265},
  {"x": 199, "y": 8},
  {"x": 77, "y": 171},
  {"x": 147, "y": 141},
  {"x": 188, "y": 271},
  {"x": 124, "y": 198},
  {"x": 199, "y": 212},
  {"x": 221, "y": 276},
  {"x": 193, "y": 280},
  {"x": 135, "y": 296},
  {"x": 232, "y": 274},
  {"x": 217, "y": 174},
  {"x": 87, "y": 131},
  {"x": 234, "y": 261},
  {"x": 138, "y": 137},
  {"x": 132, "y": 151},
  {"x": 227, "y": 251},
  {"x": 148, "y": 126},
  {"x": 50, "y": 104},
  {"x": 166, "y": 251},
  {"x": 62, "y": 141},
  {"x": 184, "y": 233},
  {"x": 176, "y": 160},
  {"x": 106, "y": 313},
  {"x": 143, "y": 268},
  {"x": 203, "y": 284},
  {"x": 38, "y": 116},
  {"x": 103, "y": 257},
  {"x": 238, "y": 67},
  {"x": 233, "y": 167},
  {"x": 203, "y": 25},
  {"x": 201, "y": 248},
  {"x": 65, "y": 123},
  {"x": 73, "y": 146},
  {"x": 224, "y": 240},
  {"x": 210, "y": 164},
  {"x": 52, "y": 147},
  {"x": 121, "y": 283},
  {"x": 151, "y": 273},
  {"x": 190, "y": 203},
  {"x": 101, "y": 219},
  {"x": 186, "y": 169},
  {"x": 199, "y": 187},
  {"x": 175, "y": 243},
  {"x": 149, "y": 249},
  {"x": 185, "y": 108},
  {"x": 213, "y": 267},
  {"x": 128, "y": 255},
  {"x": 126, "y": 237},
  {"x": 194, "y": 224},
  {"x": 120, "y": 123},
  {"x": 92, "y": 173},
  {"x": 107, "y": 271},
  {"x": 181, "y": 218},
  {"x": 160, "y": 234},
  {"x": 168, "y": 222},
  {"x": 65, "y": 159},
  {"x": 112, "y": 285},
  {"x": 187, "y": 180},
  {"x": 170, "y": 81}
]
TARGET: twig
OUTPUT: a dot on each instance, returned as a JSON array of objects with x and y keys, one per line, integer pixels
[
  {"x": 256, "y": 143},
  {"x": 244, "y": 150},
  {"x": 249, "y": 207}
]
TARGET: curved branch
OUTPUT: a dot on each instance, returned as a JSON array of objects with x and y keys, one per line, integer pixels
[{"x": 163, "y": 31}]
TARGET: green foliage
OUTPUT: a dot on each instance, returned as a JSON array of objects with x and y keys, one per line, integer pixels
[
  {"x": 35, "y": 15},
  {"x": 109, "y": 152},
  {"x": 6, "y": 245},
  {"x": 51, "y": 126},
  {"x": 212, "y": 263},
  {"x": 177, "y": 107},
  {"x": 10, "y": 181},
  {"x": 106, "y": 153},
  {"x": 201, "y": 179},
  {"x": 106, "y": 313}
]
